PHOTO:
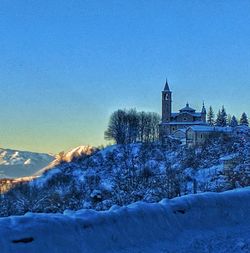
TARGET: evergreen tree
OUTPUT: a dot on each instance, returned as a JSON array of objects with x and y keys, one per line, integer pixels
[
  {"x": 244, "y": 119},
  {"x": 223, "y": 117},
  {"x": 210, "y": 116},
  {"x": 234, "y": 122},
  {"x": 218, "y": 121}
]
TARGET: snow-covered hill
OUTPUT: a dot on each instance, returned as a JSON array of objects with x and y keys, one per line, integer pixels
[
  {"x": 208, "y": 222},
  {"x": 14, "y": 163},
  {"x": 86, "y": 178}
]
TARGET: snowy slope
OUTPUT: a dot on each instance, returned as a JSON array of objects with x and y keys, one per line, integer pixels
[
  {"x": 14, "y": 163},
  {"x": 208, "y": 222},
  {"x": 124, "y": 174}
]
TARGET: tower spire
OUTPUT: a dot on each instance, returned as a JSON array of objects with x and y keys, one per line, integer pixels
[
  {"x": 166, "y": 88},
  {"x": 166, "y": 103},
  {"x": 203, "y": 108},
  {"x": 203, "y": 113}
]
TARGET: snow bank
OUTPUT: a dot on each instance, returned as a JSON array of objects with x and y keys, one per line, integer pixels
[{"x": 208, "y": 222}]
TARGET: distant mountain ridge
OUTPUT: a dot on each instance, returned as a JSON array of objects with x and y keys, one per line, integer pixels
[
  {"x": 15, "y": 163},
  {"x": 69, "y": 156}
]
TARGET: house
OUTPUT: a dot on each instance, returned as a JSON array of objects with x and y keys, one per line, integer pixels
[
  {"x": 197, "y": 135},
  {"x": 180, "y": 135}
]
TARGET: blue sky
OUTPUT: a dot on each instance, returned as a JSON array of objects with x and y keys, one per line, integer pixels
[{"x": 66, "y": 65}]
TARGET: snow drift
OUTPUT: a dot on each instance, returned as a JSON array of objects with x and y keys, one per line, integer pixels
[{"x": 208, "y": 222}]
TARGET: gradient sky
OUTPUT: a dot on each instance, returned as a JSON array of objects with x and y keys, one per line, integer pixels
[{"x": 65, "y": 65}]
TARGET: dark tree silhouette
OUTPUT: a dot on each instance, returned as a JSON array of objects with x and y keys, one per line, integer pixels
[{"x": 244, "y": 119}]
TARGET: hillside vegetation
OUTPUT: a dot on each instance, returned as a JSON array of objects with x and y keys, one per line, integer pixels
[{"x": 123, "y": 174}]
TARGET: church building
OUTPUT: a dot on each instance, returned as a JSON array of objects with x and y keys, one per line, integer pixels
[{"x": 173, "y": 121}]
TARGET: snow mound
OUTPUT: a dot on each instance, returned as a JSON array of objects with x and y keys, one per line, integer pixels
[{"x": 208, "y": 222}]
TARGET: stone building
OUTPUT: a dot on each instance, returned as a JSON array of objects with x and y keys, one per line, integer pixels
[
  {"x": 197, "y": 135},
  {"x": 173, "y": 121}
]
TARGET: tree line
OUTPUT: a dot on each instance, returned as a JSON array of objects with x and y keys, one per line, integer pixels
[
  {"x": 130, "y": 126},
  {"x": 223, "y": 119}
]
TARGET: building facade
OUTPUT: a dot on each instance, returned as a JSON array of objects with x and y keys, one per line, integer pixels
[
  {"x": 197, "y": 135},
  {"x": 183, "y": 119}
]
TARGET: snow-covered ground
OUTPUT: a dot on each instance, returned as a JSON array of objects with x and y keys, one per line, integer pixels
[
  {"x": 208, "y": 222},
  {"x": 14, "y": 163}
]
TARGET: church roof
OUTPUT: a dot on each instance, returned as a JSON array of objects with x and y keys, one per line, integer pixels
[
  {"x": 185, "y": 123},
  {"x": 203, "y": 108},
  {"x": 211, "y": 129},
  {"x": 195, "y": 114},
  {"x": 187, "y": 109},
  {"x": 166, "y": 88}
]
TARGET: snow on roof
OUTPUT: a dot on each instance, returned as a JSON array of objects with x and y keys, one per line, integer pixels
[
  {"x": 211, "y": 129},
  {"x": 183, "y": 130},
  {"x": 187, "y": 109},
  {"x": 194, "y": 123},
  {"x": 172, "y": 137},
  {"x": 195, "y": 114}
]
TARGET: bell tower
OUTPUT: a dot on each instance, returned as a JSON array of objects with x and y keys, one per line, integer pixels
[{"x": 166, "y": 104}]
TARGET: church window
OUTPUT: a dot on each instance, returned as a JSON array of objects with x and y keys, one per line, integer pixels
[
  {"x": 185, "y": 119},
  {"x": 201, "y": 136}
]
